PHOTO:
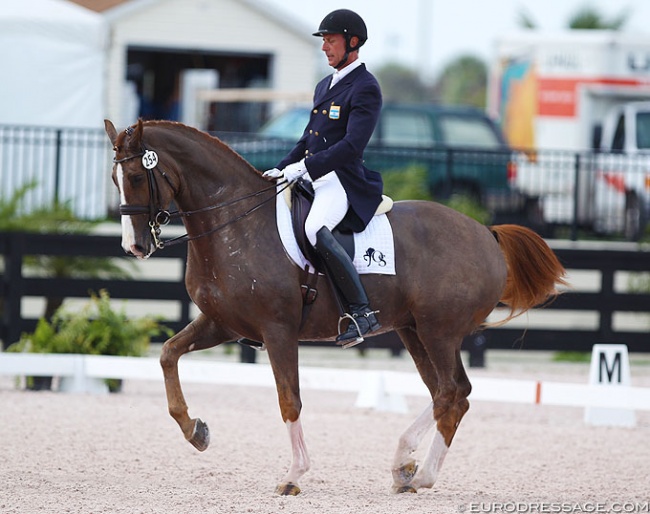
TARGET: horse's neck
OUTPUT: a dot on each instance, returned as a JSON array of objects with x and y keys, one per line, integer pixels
[{"x": 214, "y": 175}]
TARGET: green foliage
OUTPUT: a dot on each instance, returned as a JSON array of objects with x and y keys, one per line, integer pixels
[
  {"x": 407, "y": 184},
  {"x": 586, "y": 17},
  {"x": 401, "y": 84},
  {"x": 639, "y": 283},
  {"x": 589, "y": 18},
  {"x": 469, "y": 207},
  {"x": 58, "y": 218},
  {"x": 95, "y": 330},
  {"x": 566, "y": 356},
  {"x": 463, "y": 82},
  {"x": 525, "y": 19},
  {"x": 411, "y": 184}
]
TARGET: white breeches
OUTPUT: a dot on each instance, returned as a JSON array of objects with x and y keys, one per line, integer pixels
[{"x": 329, "y": 207}]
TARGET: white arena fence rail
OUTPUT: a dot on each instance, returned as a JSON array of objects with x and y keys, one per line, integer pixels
[{"x": 377, "y": 389}]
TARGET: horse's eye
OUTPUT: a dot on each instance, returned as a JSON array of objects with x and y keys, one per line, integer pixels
[{"x": 137, "y": 180}]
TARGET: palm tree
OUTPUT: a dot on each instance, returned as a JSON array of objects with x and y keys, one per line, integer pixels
[
  {"x": 589, "y": 18},
  {"x": 585, "y": 17}
]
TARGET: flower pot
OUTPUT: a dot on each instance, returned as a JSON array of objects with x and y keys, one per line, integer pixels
[
  {"x": 89, "y": 385},
  {"x": 38, "y": 383}
]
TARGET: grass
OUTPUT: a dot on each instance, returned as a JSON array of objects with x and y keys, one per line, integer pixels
[{"x": 567, "y": 356}]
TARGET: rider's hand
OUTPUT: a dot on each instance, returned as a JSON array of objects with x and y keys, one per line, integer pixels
[
  {"x": 272, "y": 173},
  {"x": 294, "y": 171}
]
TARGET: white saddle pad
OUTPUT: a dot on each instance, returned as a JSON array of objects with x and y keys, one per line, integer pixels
[{"x": 374, "y": 247}]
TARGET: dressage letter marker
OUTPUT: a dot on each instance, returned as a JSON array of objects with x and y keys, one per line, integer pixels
[{"x": 610, "y": 366}]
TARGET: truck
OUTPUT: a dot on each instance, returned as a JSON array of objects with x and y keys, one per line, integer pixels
[{"x": 576, "y": 107}]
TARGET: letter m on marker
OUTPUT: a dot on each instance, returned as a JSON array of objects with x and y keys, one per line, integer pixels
[{"x": 603, "y": 365}]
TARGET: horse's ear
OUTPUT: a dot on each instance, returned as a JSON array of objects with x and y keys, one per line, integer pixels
[
  {"x": 110, "y": 130},
  {"x": 135, "y": 141}
]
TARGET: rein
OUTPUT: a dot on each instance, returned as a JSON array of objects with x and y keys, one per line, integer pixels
[
  {"x": 159, "y": 217},
  {"x": 185, "y": 237}
]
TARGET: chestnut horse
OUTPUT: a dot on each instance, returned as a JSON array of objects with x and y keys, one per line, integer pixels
[{"x": 450, "y": 274}]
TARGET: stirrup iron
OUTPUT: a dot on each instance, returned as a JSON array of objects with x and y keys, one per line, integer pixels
[{"x": 353, "y": 319}]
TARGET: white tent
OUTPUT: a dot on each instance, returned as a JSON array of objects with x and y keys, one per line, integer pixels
[{"x": 52, "y": 56}]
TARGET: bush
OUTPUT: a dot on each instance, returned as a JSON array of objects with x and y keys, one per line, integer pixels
[
  {"x": 407, "y": 184},
  {"x": 57, "y": 218},
  {"x": 411, "y": 184},
  {"x": 95, "y": 330}
]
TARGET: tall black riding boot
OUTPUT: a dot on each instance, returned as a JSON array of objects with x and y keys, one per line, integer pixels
[{"x": 343, "y": 274}]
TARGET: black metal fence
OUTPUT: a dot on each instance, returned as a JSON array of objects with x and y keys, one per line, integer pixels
[
  {"x": 604, "y": 307},
  {"x": 66, "y": 165},
  {"x": 606, "y": 194},
  {"x": 565, "y": 194}
]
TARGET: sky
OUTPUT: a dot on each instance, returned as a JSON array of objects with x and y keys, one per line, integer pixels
[{"x": 427, "y": 34}]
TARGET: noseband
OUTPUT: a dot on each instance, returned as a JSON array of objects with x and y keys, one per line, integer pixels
[{"x": 159, "y": 217}]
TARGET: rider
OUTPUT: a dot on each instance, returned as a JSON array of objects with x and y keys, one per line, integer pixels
[{"x": 330, "y": 155}]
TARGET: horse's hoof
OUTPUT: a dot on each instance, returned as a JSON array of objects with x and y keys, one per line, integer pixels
[
  {"x": 287, "y": 489},
  {"x": 404, "y": 489},
  {"x": 403, "y": 475},
  {"x": 200, "y": 436}
]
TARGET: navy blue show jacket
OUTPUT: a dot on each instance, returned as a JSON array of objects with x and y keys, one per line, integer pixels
[{"x": 342, "y": 120}]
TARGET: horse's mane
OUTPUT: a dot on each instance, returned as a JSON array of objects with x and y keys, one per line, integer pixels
[{"x": 210, "y": 139}]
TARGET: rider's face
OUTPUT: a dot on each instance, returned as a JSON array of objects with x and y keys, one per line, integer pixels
[{"x": 334, "y": 48}]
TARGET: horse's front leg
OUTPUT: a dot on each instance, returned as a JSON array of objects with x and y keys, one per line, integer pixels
[
  {"x": 201, "y": 333},
  {"x": 284, "y": 361}
]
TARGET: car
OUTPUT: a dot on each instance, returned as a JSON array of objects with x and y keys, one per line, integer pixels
[{"x": 461, "y": 149}]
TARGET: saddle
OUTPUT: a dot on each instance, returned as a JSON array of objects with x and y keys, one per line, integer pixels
[
  {"x": 300, "y": 200},
  {"x": 302, "y": 197}
]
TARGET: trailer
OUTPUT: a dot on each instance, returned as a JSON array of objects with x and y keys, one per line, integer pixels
[{"x": 576, "y": 104}]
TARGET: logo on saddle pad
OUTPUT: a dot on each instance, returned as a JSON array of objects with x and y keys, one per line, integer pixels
[{"x": 375, "y": 256}]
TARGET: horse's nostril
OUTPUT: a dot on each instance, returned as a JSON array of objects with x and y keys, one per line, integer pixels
[{"x": 136, "y": 250}]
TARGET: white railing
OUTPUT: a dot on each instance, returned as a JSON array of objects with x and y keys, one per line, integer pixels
[{"x": 377, "y": 389}]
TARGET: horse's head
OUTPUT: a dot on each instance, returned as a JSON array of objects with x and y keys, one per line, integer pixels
[{"x": 145, "y": 189}]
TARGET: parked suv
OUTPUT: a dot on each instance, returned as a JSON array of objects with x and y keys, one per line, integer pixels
[{"x": 462, "y": 150}]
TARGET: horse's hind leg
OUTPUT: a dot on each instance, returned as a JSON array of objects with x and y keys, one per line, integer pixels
[
  {"x": 449, "y": 387},
  {"x": 449, "y": 406},
  {"x": 404, "y": 465},
  {"x": 201, "y": 333}
]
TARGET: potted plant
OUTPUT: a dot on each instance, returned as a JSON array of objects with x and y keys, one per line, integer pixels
[{"x": 96, "y": 329}]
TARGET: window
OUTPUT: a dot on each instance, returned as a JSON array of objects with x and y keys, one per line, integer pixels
[
  {"x": 643, "y": 130},
  {"x": 465, "y": 131},
  {"x": 407, "y": 128}
]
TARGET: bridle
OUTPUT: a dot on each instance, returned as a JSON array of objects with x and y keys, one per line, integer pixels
[{"x": 159, "y": 217}]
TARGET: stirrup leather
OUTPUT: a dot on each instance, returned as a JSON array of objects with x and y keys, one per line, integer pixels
[{"x": 353, "y": 319}]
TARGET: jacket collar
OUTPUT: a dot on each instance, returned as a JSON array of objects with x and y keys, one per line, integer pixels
[{"x": 324, "y": 94}]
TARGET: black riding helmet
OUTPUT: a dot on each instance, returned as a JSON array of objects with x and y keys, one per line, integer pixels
[{"x": 349, "y": 24}]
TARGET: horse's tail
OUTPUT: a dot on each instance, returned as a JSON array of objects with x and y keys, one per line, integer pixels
[{"x": 534, "y": 271}]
